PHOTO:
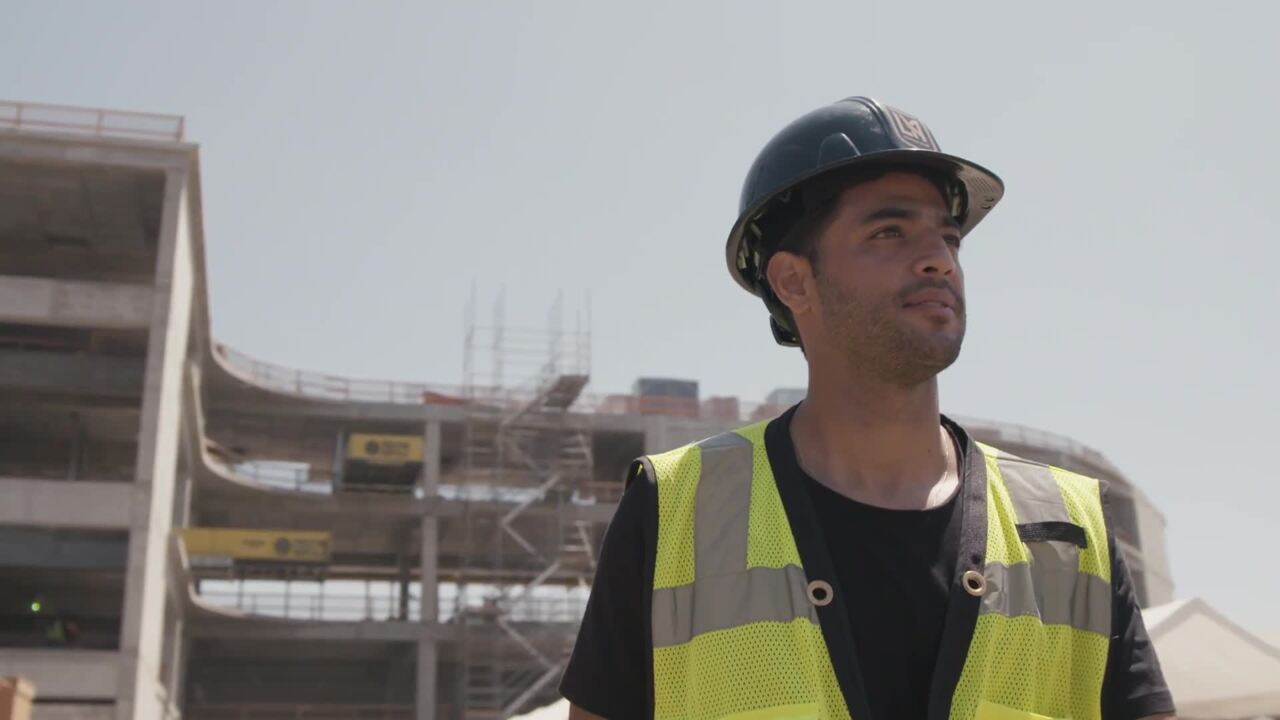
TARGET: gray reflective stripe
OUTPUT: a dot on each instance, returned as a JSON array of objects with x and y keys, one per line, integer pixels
[
  {"x": 725, "y": 593},
  {"x": 1050, "y": 586},
  {"x": 1033, "y": 491},
  {"x": 722, "y": 510},
  {"x": 1051, "y": 590},
  {"x": 725, "y": 601}
]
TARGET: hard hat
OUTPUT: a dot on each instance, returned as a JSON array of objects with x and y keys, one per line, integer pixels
[{"x": 856, "y": 131}]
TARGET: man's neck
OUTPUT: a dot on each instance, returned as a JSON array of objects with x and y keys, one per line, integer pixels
[{"x": 874, "y": 442}]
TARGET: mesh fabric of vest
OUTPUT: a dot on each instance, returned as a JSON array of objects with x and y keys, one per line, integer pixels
[
  {"x": 1019, "y": 662},
  {"x": 757, "y": 670}
]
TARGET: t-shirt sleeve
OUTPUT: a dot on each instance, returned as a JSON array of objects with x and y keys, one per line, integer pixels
[
  {"x": 1134, "y": 686},
  {"x": 609, "y": 670}
]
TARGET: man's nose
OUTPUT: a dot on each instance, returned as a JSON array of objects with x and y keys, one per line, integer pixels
[{"x": 936, "y": 257}]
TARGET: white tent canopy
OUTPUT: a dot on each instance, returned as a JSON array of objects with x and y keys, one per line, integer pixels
[
  {"x": 1215, "y": 669},
  {"x": 555, "y": 711}
]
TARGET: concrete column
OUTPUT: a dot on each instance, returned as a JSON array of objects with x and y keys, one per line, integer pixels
[
  {"x": 403, "y": 576},
  {"x": 431, "y": 458},
  {"x": 177, "y": 646},
  {"x": 139, "y": 691},
  {"x": 75, "y": 461},
  {"x": 178, "y": 660},
  {"x": 191, "y": 444},
  {"x": 425, "y": 702},
  {"x": 428, "y": 658}
]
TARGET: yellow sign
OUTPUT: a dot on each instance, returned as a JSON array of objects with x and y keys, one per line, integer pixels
[
  {"x": 310, "y": 546},
  {"x": 384, "y": 449}
]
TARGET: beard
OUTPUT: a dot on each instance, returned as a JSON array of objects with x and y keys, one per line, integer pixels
[{"x": 876, "y": 338}]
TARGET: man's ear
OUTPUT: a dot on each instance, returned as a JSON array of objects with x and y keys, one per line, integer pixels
[{"x": 791, "y": 278}]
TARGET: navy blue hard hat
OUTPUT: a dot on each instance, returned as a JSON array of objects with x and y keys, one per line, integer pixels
[{"x": 855, "y": 131}]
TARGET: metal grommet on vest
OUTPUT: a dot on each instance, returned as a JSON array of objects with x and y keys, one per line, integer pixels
[
  {"x": 820, "y": 593},
  {"x": 974, "y": 583}
]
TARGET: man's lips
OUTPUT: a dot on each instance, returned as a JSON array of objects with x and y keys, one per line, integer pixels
[{"x": 932, "y": 298}]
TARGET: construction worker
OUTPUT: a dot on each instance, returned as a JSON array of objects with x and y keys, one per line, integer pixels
[{"x": 861, "y": 555}]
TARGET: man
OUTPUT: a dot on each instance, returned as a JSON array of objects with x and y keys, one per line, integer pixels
[{"x": 861, "y": 555}]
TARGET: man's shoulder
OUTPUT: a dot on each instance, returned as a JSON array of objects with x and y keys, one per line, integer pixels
[
  {"x": 1063, "y": 475},
  {"x": 744, "y": 436},
  {"x": 751, "y": 433}
]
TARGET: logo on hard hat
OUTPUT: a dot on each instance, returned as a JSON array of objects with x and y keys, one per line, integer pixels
[{"x": 910, "y": 130}]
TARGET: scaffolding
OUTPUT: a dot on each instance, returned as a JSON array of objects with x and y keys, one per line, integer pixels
[{"x": 523, "y": 449}]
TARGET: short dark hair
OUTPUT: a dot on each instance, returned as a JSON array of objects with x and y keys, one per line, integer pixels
[{"x": 802, "y": 237}]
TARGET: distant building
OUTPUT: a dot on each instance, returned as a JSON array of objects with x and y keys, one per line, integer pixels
[{"x": 785, "y": 397}]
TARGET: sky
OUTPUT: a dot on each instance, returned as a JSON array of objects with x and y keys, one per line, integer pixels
[{"x": 368, "y": 168}]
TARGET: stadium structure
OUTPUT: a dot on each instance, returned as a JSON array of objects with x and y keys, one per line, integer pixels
[{"x": 186, "y": 531}]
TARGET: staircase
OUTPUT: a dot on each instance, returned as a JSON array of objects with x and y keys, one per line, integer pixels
[
  {"x": 533, "y": 449},
  {"x": 483, "y": 692}
]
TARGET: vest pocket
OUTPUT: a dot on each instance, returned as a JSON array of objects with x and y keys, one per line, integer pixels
[
  {"x": 988, "y": 710},
  {"x": 1062, "y": 531},
  {"x": 803, "y": 711}
]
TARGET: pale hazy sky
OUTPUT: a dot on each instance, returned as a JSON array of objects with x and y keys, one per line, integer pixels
[{"x": 364, "y": 164}]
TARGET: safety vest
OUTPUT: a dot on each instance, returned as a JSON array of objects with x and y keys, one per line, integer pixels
[{"x": 740, "y": 630}]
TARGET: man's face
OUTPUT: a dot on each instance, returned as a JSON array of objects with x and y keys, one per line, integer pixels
[{"x": 889, "y": 284}]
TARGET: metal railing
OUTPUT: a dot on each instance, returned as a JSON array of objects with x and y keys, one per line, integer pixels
[
  {"x": 290, "y": 476},
  {"x": 314, "y": 481},
  {"x": 320, "y": 482},
  {"x": 320, "y": 386},
  {"x": 96, "y": 122},
  {"x": 548, "y": 610},
  {"x": 380, "y": 602},
  {"x": 333, "y": 387},
  {"x": 295, "y": 604},
  {"x": 298, "y": 711}
]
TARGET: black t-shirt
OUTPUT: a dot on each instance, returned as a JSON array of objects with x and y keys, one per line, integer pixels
[
  {"x": 902, "y": 583},
  {"x": 900, "y": 561}
]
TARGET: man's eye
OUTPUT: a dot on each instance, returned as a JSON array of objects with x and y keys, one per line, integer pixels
[
  {"x": 891, "y": 231},
  {"x": 953, "y": 241}
]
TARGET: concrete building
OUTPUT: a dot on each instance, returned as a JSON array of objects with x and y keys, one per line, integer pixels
[{"x": 367, "y": 549}]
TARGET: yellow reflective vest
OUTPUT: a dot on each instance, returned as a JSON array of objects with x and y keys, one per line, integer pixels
[{"x": 742, "y": 629}]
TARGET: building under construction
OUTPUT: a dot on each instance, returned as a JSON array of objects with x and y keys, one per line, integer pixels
[{"x": 186, "y": 531}]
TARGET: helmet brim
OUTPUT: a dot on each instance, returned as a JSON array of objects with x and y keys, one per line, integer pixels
[{"x": 983, "y": 189}]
